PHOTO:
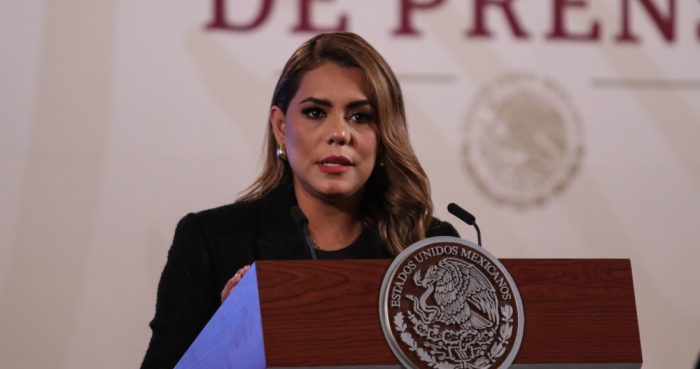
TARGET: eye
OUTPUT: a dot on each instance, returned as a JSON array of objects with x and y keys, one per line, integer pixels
[
  {"x": 314, "y": 112},
  {"x": 361, "y": 117}
]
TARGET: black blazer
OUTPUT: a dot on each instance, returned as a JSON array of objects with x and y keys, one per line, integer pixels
[{"x": 210, "y": 246}]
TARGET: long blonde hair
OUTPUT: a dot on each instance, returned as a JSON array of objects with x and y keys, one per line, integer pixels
[{"x": 397, "y": 195}]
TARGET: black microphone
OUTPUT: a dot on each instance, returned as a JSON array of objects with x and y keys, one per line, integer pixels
[
  {"x": 303, "y": 222},
  {"x": 465, "y": 216}
]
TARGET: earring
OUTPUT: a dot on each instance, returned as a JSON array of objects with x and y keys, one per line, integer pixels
[{"x": 279, "y": 152}]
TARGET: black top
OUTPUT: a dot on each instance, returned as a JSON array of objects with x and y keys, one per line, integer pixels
[{"x": 210, "y": 246}]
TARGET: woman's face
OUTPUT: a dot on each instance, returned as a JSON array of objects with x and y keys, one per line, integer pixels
[{"x": 329, "y": 132}]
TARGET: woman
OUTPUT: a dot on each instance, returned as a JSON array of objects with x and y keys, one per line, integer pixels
[{"x": 338, "y": 148}]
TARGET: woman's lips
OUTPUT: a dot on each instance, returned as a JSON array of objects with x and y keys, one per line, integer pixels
[{"x": 334, "y": 164}]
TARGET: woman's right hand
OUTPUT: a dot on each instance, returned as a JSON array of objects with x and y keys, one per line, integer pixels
[{"x": 233, "y": 282}]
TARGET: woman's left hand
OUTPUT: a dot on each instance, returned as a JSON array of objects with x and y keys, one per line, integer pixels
[{"x": 233, "y": 282}]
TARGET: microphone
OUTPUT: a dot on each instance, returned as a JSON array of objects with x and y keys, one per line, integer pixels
[
  {"x": 303, "y": 222},
  {"x": 465, "y": 216}
]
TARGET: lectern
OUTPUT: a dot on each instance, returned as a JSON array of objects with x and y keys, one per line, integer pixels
[{"x": 579, "y": 313}]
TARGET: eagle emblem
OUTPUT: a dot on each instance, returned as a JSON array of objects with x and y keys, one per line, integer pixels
[
  {"x": 447, "y": 304},
  {"x": 463, "y": 296}
]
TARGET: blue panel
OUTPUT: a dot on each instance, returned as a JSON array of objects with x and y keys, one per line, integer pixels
[{"x": 233, "y": 337}]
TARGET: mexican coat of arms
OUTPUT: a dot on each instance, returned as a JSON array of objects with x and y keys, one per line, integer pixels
[{"x": 448, "y": 304}]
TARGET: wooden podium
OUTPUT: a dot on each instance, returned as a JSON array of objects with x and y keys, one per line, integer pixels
[{"x": 579, "y": 313}]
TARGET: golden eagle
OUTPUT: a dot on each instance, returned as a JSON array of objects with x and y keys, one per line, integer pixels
[{"x": 462, "y": 293}]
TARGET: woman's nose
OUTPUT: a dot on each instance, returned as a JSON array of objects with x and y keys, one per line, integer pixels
[{"x": 339, "y": 132}]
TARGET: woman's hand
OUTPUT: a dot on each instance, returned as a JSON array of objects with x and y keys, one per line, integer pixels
[{"x": 233, "y": 282}]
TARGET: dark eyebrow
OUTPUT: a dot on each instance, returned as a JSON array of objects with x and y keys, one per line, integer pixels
[
  {"x": 325, "y": 102},
  {"x": 317, "y": 101},
  {"x": 358, "y": 103}
]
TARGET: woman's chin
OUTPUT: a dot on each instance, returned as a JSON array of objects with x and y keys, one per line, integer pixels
[
  {"x": 336, "y": 193},
  {"x": 330, "y": 190}
]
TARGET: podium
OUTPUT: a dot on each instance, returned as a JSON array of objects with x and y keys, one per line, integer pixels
[{"x": 579, "y": 313}]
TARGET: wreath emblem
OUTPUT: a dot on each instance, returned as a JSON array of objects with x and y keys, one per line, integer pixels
[
  {"x": 484, "y": 348},
  {"x": 451, "y": 307},
  {"x": 523, "y": 141}
]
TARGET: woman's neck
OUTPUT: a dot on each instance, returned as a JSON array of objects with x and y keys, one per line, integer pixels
[{"x": 333, "y": 225}]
